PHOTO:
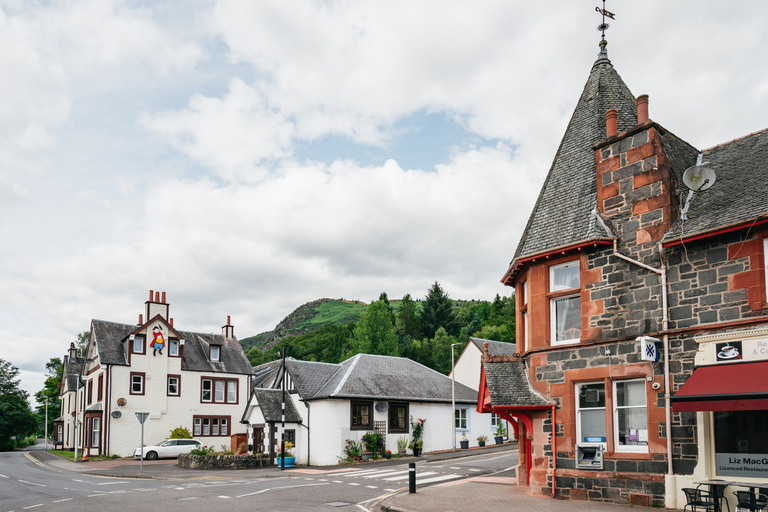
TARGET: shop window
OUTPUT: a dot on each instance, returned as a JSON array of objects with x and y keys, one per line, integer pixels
[
  {"x": 461, "y": 418},
  {"x": 361, "y": 415},
  {"x": 590, "y": 413},
  {"x": 741, "y": 446},
  {"x": 137, "y": 383},
  {"x": 398, "y": 418},
  {"x": 565, "y": 303},
  {"x": 174, "y": 385},
  {"x": 630, "y": 416}
]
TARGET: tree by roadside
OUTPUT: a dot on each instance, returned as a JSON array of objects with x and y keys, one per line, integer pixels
[
  {"x": 16, "y": 418},
  {"x": 437, "y": 312},
  {"x": 50, "y": 394}
]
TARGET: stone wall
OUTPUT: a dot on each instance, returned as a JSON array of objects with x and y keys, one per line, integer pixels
[{"x": 190, "y": 461}]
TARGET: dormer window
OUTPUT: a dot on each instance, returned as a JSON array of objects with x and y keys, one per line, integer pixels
[
  {"x": 565, "y": 303},
  {"x": 215, "y": 353},
  {"x": 137, "y": 347}
]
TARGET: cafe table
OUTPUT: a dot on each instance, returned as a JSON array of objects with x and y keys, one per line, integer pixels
[
  {"x": 714, "y": 487},
  {"x": 752, "y": 486}
]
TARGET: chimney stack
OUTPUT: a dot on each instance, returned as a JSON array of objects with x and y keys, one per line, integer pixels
[
  {"x": 72, "y": 352},
  {"x": 611, "y": 127},
  {"x": 228, "y": 331},
  {"x": 156, "y": 305},
  {"x": 642, "y": 108}
]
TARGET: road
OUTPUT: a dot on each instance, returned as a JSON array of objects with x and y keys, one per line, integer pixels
[{"x": 27, "y": 483}]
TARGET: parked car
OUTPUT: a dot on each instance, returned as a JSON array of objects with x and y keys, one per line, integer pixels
[{"x": 170, "y": 448}]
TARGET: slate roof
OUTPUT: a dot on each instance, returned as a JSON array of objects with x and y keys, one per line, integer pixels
[
  {"x": 495, "y": 348},
  {"x": 563, "y": 214},
  {"x": 508, "y": 385},
  {"x": 270, "y": 403},
  {"x": 738, "y": 194},
  {"x": 367, "y": 376},
  {"x": 111, "y": 339}
]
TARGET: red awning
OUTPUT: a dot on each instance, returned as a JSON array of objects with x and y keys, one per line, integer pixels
[{"x": 725, "y": 387}]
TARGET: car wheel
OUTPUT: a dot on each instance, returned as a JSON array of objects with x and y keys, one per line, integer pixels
[{"x": 151, "y": 456}]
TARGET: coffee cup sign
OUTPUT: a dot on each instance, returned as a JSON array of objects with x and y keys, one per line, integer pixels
[{"x": 727, "y": 351}]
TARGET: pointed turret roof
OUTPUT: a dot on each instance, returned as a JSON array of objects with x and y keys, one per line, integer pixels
[{"x": 565, "y": 214}]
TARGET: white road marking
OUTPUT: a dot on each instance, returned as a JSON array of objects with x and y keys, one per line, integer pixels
[
  {"x": 390, "y": 490},
  {"x": 352, "y": 483},
  {"x": 113, "y": 483},
  {"x": 3, "y": 476},
  {"x": 32, "y": 483},
  {"x": 371, "y": 487},
  {"x": 338, "y": 482},
  {"x": 94, "y": 495},
  {"x": 33, "y": 506},
  {"x": 438, "y": 479},
  {"x": 418, "y": 479},
  {"x": 473, "y": 469},
  {"x": 277, "y": 489},
  {"x": 65, "y": 499},
  {"x": 386, "y": 473},
  {"x": 224, "y": 497}
]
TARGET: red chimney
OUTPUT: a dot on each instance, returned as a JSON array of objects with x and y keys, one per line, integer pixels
[
  {"x": 157, "y": 296},
  {"x": 642, "y": 108},
  {"x": 228, "y": 321},
  {"x": 151, "y": 294},
  {"x": 171, "y": 322},
  {"x": 163, "y": 301},
  {"x": 141, "y": 319},
  {"x": 611, "y": 128}
]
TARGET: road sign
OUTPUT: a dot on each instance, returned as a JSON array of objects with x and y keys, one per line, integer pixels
[{"x": 142, "y": 416}]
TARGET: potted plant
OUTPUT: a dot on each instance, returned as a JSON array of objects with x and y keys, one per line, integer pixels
[
  {"x": 417, "y": 431},
  {"x": 501, "y": 433},
  {"x": 289, "y": 458},
  {"x": 481, "y": 439},
  {"x": 464, "y": 442},
  {"x": 388, "y": 455},
  {"x": 402, "y": 444}
]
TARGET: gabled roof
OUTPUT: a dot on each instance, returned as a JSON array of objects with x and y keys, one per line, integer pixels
[
  {"x": 495, "y": 348},
  {"x": 270, "y": 401},
  {"x": 508, "y": 385},
  {"x": 111, "y": 339},
  {"x": 367, "y": 376},
  {"x": 737, "y": 197},
  {"x": 563, "y": 215}
]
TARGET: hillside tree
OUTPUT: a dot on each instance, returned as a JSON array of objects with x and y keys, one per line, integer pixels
[
  {"x": 374, "y": 332},
  {"x": 437, "y": 311}
]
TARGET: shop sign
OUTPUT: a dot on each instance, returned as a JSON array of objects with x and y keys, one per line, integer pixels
[{"x": 742, "y": 464}]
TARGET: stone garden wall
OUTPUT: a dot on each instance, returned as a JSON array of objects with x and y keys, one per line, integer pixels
[{"x": 190, "y": 461}]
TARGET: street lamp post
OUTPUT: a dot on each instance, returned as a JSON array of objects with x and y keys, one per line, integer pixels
[{"x": 453, "y": 396}]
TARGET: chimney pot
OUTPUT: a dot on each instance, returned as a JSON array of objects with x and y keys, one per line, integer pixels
[
  {"x": 151, "y": 294},
  {"x": 163, "y": 298},
  {"x": 642, "y": 108},
  {"x": 141, "y": 319},
  {"x": 157, "y": 296},
  {"x": 171, "y": 322},
  {"x": 228, "y": 321},
  {"x": 611, "y": 127}
]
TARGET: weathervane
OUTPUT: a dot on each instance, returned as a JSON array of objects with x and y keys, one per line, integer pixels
[{"x": 603, "y": 27}]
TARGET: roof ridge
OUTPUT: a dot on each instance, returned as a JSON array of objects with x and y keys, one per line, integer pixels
[
  {"x": 347, "y": 373},
  {"x": 734, "y": 140}
]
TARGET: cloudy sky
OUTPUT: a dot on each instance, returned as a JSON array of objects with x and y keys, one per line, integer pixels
[{"x": 247, "y": 157}]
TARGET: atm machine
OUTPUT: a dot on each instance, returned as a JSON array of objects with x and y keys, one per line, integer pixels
[{"x": 589, "y": 456}]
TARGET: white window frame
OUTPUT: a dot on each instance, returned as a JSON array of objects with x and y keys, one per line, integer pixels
[
  {"x": 137, "y": 379},
  {"x": 231, "y": 391},
  {"x": 178, "y": 385},
  {"x": 629, "y": 448},
  {"x": 578, "y": 408},
  {"x": 209, "y": 390},
  {"x": 219, "y": 391},
  {"x": 457, "y": 418},
  {"x": 138, "y": 341},
  {"x": 198, "y": 428},
  {"x": 173, "y": 348},
  {"x": 215, "y": 353},
  {"x": 95, "y": 431},
  {"x": 553, "y": 302}
]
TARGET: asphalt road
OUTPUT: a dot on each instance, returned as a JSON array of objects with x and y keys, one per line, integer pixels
[{"x": 27, "y": 483}]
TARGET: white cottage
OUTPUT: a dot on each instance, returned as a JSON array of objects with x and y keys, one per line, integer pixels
[
  {"x": 327, "y": 404},
  {"x": 182, "y": 379}
]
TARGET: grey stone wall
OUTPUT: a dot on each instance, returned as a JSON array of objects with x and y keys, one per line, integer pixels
[{"x": 190, "y": 461}]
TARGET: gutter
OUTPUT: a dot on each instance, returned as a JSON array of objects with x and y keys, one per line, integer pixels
[{"x": 664, "y": 328}]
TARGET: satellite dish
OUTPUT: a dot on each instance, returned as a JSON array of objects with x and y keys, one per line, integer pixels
[
  {"x": 116, "y": 414},
  {"x": 699, "y": 178},
  {"x": 382, "y": 407},
  {"x": 121, "y": 402}
]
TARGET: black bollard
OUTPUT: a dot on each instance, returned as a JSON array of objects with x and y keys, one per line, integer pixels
[{"x": 411, "y": 477}]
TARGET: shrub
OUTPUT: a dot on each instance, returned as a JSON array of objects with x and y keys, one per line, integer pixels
[
  {"x": 402, "y": 442},
  {"x": 352, "y": 451},
  {"x": 225, "y": 450},
  {"x": 181, "y": 433},
  {"x": 203, "y": 450},
  {"x": 373, "y": 442}
]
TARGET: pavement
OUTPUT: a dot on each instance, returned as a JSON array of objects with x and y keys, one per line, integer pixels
[{"x": 487, "y": 493}]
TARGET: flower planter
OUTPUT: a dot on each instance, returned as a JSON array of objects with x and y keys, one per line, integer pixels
[
  {"x": 387, "y": 455},
  {"x": 481, "y": 443},
  {"x": 464, "y": 443},
  {"x": 416, "y": 452},
  {"x": 401, "y": 453},
  {"x": 367, "y": 455},
  {"x": 499, "y": 439},
  {"x": 289, "y": 461}
]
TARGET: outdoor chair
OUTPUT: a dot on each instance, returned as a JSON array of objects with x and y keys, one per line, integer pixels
[
  {"x": 699, "y": 498},
  {"x": 719, "y": 491},
  {"x": 747, "y": 500}
]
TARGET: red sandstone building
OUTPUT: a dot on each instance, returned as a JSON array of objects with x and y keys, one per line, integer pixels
[{"x": 627, "y": 256}]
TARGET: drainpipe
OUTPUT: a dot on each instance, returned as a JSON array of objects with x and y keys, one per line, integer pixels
[
  {"x": 554, "y": 449},
  {"x": 664, "y": 326}
]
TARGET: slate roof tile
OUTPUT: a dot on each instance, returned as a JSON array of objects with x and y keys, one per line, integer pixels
[{"x": 508, "y": 385}]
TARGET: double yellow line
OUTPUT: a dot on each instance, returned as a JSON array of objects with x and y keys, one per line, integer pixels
[{"x": 375, "y": 502}]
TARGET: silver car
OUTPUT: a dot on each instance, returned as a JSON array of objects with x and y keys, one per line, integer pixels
[{"x": 170, "y": 448}]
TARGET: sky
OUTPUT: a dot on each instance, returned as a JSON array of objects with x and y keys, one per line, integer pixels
[{"x": 249, "y": 157}]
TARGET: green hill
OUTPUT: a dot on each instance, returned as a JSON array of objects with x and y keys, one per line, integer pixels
[{"x": 307, "y": 318}]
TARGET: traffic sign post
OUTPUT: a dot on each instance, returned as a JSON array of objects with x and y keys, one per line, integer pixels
[{"x": 142, "y": 417}]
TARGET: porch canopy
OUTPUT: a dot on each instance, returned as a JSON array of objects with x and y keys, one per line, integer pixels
[{"x": 725, "y": 387}]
